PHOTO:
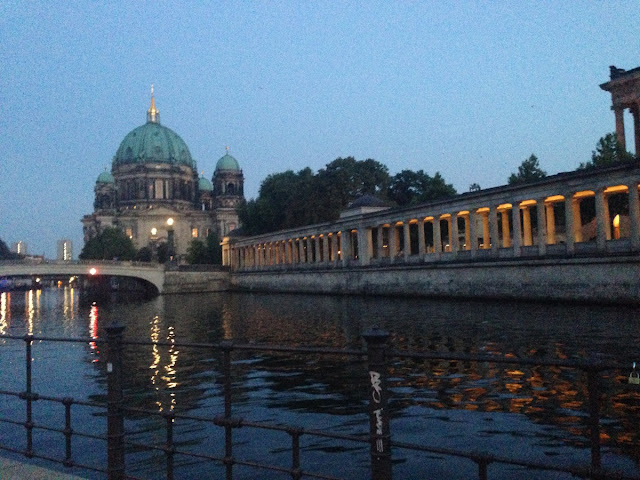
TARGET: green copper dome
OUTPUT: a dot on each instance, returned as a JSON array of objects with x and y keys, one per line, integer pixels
[
  {"x": 153, "y": 143},
  {"x": 204, "y": 185},
  {"x": 228, "y": 163},
  {"x": 105, "y": 177}
]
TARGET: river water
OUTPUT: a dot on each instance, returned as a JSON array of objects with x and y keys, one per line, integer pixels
[{"x": 533, "y": 413}]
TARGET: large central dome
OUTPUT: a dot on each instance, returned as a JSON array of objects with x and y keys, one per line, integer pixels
[{"x": 153, "y": 143}]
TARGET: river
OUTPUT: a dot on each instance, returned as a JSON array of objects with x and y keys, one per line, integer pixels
[{"x": 528, "y": 412}]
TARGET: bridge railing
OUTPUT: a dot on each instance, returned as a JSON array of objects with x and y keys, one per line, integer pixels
[{"x": 379, "y": 358}]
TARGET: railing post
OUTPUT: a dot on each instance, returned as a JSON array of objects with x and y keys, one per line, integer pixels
[
  {"x": 115, "y": 419},
  {"x": 593, "y": 377},
  {"x": 68, "y": 431},
  {"x": 227, "y": 346},
  {"x": 378, "y": 413}
]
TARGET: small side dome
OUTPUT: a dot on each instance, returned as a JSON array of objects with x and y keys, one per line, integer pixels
[
  {"x": 205, "y": 185},
  {"x": 105, "y": 177},
  {"x": 228, "y": 163}
]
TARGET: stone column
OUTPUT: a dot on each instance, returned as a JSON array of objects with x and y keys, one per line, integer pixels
[
  {"x": 467, "y": 233},
  {"x": 568, "y": 223},
  {"x": 453, "y": 233},
  {"x": 619, "y": 112},
  {"x": 473, "y": 235},
  {"x": 421, "y": 239},
  {"x": 380, "y": 235},
  {"x": 551, "y": 224},
  {"x": 517, "y": 230},
  {"x": 316, "y": 243},
  {"x": 634, "y": 216},
  {"x": 392, "y": 241},
  {"x": 325, "y": 248},
  {"x": 345, "y": 246},
  {"x": 506, "y": 234},
  {"x": 541, "y": 224},
  {"x": 493, "y": 230},
  {"x": 437, "y": 237},
  {"x": 334, "y": 248},
  {"x": 526, "y": 225},
  {"x": 364, "y": 245},
  {"x": 449, "y": 237},
  {"x": 406, "y": 248},
  {"x": 601, "y": 221},
  {"x": 577, "y": 220},
  {"x": 486, "y": 231}
]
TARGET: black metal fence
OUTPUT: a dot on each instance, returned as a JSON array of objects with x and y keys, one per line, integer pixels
[{"x": 378, "y": 356}]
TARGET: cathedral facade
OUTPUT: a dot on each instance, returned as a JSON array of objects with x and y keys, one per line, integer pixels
[{"x": 154, "y": 195}]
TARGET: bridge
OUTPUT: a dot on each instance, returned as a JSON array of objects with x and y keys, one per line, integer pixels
[{"x": 150, "y": 273}]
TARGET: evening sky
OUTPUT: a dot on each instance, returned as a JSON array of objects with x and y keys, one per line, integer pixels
[{"x": 469, "y": 89}]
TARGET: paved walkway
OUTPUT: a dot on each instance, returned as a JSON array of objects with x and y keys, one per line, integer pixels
[{"x": 14, "y": 470}]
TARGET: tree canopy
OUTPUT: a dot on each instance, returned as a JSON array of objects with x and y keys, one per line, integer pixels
[
  {"x": 109, "y": 244},
  {"x": 528, "y": 171},
  {"x": 410, "y": 188},
  {"x": 208, "y": 252},
  {"x": 290, "y": 199},
  {"x": 608, "y": 152}
]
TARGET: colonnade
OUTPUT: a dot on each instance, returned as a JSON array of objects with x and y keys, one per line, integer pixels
[{"x": 582, "y": 213}]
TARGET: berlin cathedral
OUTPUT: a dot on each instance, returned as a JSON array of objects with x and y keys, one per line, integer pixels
[{"x": 154, "y": 194}]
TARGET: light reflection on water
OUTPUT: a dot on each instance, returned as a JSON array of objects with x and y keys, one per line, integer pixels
[{"x": 464, "y": 403}]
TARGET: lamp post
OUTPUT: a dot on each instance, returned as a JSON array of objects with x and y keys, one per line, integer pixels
[{"x": 170, "y": 237}]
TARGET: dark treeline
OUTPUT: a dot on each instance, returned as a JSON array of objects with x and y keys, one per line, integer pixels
[{"x": 291, "y": 199}]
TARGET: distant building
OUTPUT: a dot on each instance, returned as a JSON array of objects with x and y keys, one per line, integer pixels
[
  {"x": 65, "y": 249},
  {"x": 19, "y": 247},
  {"x": 154, "y": 195}
]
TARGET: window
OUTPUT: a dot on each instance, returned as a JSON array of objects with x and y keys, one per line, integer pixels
[{"x": 194, "y": 232}]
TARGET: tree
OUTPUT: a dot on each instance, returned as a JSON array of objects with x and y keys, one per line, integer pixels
[
  {"x": 608, "y": 152},
  {"x": 143, "y": 255},
  {"x": 196, "y": 252},
  {"x": 474, "y": 187},
  {"x": 528, "y": 171},
  {"x": 5, "y": 253},
  {"x": 409, "y": 188},
  {"x": 214, "y": 250},
  {"x": 162, "y": 252},
  {"x": 109, "y": 244}
]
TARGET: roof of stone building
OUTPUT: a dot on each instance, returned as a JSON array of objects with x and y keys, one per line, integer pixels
[
  {"x": 204, "y": 185},
  {"x": 105, "y": 177},
  {"x": 153, "y": 143},
  {"x": 227, "y": 162},
  {"x": 367, "y": 201}
]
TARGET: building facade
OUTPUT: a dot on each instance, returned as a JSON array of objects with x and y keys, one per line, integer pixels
[
  {"x": 65, "y": 250},
  {"x": 154, "y": 195}
]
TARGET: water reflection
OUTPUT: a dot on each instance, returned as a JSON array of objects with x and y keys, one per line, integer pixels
[{"x": 5, "y": 297}]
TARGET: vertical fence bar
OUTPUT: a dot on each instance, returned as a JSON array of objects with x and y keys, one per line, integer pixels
[
  {"x": 115, "y": 419},
  {"x": 227, "y": 346},
  {"x": 296, "y": 472},
  {"x": 380, "y": 433},
  {"x": 593, "y": 377},
  {"x": 28, "y": 395},
  {"x": 170, "y": 448},
  {"x": 68, "y": 431}
]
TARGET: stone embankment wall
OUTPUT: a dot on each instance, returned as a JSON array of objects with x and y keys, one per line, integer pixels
[
  {"x": 603, "y": 280},
  {"x": 193, "y": 282}
]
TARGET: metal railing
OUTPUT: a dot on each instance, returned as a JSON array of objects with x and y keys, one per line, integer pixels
[{"x": 378, "y": 357}]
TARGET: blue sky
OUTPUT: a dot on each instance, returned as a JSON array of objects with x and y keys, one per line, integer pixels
[{"x": 469, "y": 89}]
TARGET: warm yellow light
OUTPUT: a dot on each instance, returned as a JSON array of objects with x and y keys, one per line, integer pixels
[
  {"x": 93, "y": 271},
  {"x": 616, "y": 221},
  {"x": 38, "y": 279},
  {"x": 154, "y": 231},
  {"x": 170, "y": 221}
]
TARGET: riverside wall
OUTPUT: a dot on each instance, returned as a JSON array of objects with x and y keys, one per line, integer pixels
[
  {"x": 195, "y": 282},
  {"x": 601, "y": 280}
]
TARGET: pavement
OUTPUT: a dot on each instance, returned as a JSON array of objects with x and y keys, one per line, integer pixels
[{"x": 15, "y": 470}]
